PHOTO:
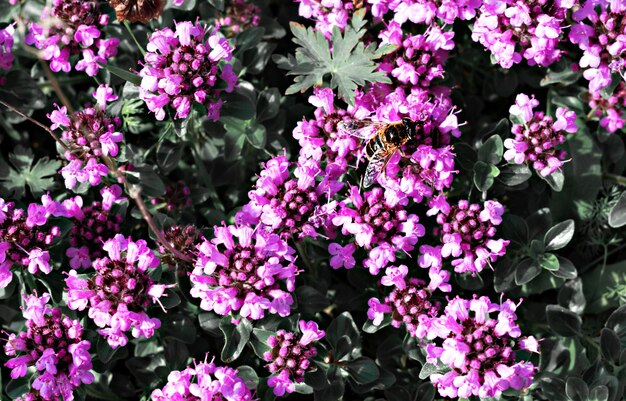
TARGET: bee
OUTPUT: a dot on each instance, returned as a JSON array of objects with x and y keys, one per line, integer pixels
[
  {"x": 383, "y": 141},
  {"x": 137, "y": 10}
]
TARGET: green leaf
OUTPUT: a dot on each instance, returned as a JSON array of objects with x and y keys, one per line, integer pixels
[
  {"x": 17, "y": 387},
  {"x": 350, "y": 64},
  {"x": 311, "y": 300},
  {"x": 491, "y": 151},
  {"x": 566, "y": 270},
  {"x": 526, "y": 271},
  {"x": 268, "y": 104},
  {"x": 556, "y": 180},
  {"x": 514, "y": 174},
  {"x": 257, "y": 136},
  {"x": 560, "y": 235},
  {"x": 179, "y": 327},
  {"x": 150, "y": 182},
  {"x": 258, "y": 341},
  {"x": 549, "y": 261},
  {"x": 583, "y": 177},
  {"x": 617, "y": 215},
  {"x": 599, "y": 393},
  {"x": 560, "y": 73},
  {"x": 600, "y": 285},
  {"x": 563, "y": 321},
  {"x": 210, "y": 322},
  {"x": 168, "y": 155},
  {"x": 122, "y": 73},
  {"x": 248, "y": 375},
  {"x": 343, "y": 335},
  {"x": 235, "y": 336},
  {"x": 37, "y": 176},
  {"x": 484, "y": 175},
  {"x": 363, "y": 370},
  {"x": 610, "y": 345},
  {"x": 428, "y": 369},
  {"x": 576, "y": 389}
]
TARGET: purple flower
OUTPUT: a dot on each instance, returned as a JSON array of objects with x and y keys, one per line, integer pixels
[
  {"x": 408, "y": 304},
  {"x": 342, "y": 255},
  {"x": 477, "y": 339},
  {"x": 204, "y": 380},
  {"x": 53, "y": 345},
  {"x": 25, "y": 236},
  {"x": 182, "y": 67},
  {"x": 6, "y": 47},
  {"x": 120, "y": 291},
  {"x": 467, "y": 233},
  {"x": 238, "y": 16},
  {"x": 89, "y": 134},
  {"x": 70, "y": 28},
  {"x": 536, "y": 140},
  {"x": 290, "y": 356},
  {"x": 241, "y": 270},
  {"x": 377, "y": 225},
  {"x": 91, "y": 228},
  {"x": 291, "y": 204}
]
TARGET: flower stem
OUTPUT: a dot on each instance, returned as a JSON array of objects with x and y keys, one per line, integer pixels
[
  {"x": 56, "y": 87},
  {"x": 32, "y": 120},
  {"x": 132, "y": 35}
]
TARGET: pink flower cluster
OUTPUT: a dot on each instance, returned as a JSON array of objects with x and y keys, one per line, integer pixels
[
  {"x": 53, "y": 344},
  {"x": 610, "y": 111},
  {"x": 329, "y": 14},
  {"x": 425, "y": 11},
  {"x": 6, "y": 47},
  {"x": 320, "y": 140},
  {"x": 240, "y": 270},
  {"x": 89, "y": 135},
  {"x": 292, "y": 204},
  {"x": 477, "y": 340},
  {"x": 120, "y": 291},
  {"x": 467, "y": 233},
  {"x": 600, "y": 32},
  {"x": 182, "y": 68},
  {"x": 290, "y": 356},
  {"x": 203, "y": 381},
  {"x": 517, "y": 29},
  {"x": 538, "y": 136},
  {"x": 26, "y": 235},
  {"x": 419, "y": 59},
  {"x": 73, "y": 27},
  {"x": 177, "y": 197},
  {"x": 378, "y": 223},
  {"x": 93, "y": 225},
  {"x": 239, "y": 16},
  {"x": 409, "y": 302}
]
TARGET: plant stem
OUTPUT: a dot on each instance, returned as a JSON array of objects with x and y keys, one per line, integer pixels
[
  {"x": 130, "y": 31},
  {"x": 135, "y": 195},
  {"x": 616, "y": 178},
  {"x": 56, "y": 87},
  {"x": 32, "y": 120}
]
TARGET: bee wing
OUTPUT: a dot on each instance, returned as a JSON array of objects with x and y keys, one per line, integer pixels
[
  {"x": 376, "y": 165},
  {"x": 363, "y": 129}
]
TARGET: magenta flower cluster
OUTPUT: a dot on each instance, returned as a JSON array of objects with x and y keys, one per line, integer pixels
[
  {"x": 538, "y": 136},
  {"x": 53, "y": 345},
  {"x": 292, "y": 203},
  {"x": 89, "y": 135},
  {"x": 203, "y": 381},
  {"x": 409, "y": 303},
  {"x": 26, "y": 235},
  {"x": 239, "y": 16},
  {"x": 6, "y": 49},
  {"x": 290, "y": 356},
  {"x": 241, "y": 269},
  {"x": 477, "y": 340},
  {"x": 468, "y": 233},
  {"x": 328, "y": 14},
  {"x": 118, "y": 294},
  {"x": 182, "y": 68},
  {"x": 73, "y": 27},
  {"x": 93, "y": 225}
]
